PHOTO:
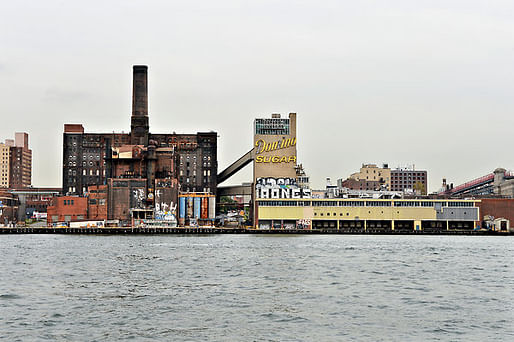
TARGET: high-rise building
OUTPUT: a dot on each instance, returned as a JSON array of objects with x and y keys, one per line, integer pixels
[
  {"x": 5, "y": 153},
  {"x": 16, "y": 162}
]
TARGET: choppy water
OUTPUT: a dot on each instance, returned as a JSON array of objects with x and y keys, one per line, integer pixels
[{"x": 256, "y": 288}]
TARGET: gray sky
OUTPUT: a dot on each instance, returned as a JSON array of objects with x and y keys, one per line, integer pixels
[{"x": 420, "y": 82}]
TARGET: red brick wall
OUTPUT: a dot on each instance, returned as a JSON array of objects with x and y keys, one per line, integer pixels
[
  {"x": 97, "y": 204},
  {"x": 497, "y": 207},
  {"x": 73, "y": 206},
  {"x": 73, "y": 128}
]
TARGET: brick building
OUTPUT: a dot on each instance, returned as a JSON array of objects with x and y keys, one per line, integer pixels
[
  {"x": 33, "y": 200},
  {"x": 359, "y": 184},
  {"x": 16, "y": 162},
  {"x": 5, "y": 157},
  {"x": 372, "y": 177},
  {"x": 497, "y": 208},
  {"x": 409, "y": 179},
  {"x": 67, "y": 209},
  {"x": 8, "y": 208},
  {"x": 142, "y": 170},
  {"x": 97, "y": 202}
]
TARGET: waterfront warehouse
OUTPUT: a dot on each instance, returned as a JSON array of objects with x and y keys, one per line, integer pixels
[{"x": 370, "y": 215}]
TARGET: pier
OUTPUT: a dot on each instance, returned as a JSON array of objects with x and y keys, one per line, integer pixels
[{"x": 224, "y": 230}]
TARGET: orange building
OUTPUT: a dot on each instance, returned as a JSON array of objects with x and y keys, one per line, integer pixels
[{"x": 67, "y": 209}]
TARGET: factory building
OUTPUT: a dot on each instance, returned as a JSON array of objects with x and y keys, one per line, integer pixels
[
  {"x": 275, "y": 169},
  {"x": 368, "y": 215},
  {"x": 143, "y": 172}
]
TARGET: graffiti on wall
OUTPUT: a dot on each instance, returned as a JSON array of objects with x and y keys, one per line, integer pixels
[
  {"x": 165, "y": 211},
  {"x": 273, "y": 182},
  {"x": 271, "y": 187},
  {"x": 138, "y": 196},
  {"x": 304, "y": 224}
]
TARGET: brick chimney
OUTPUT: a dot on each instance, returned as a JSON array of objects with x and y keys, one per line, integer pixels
[{"x": 139, "y": 127}]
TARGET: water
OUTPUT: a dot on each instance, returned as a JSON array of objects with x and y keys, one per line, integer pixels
[{"x": 256, "y": 288}]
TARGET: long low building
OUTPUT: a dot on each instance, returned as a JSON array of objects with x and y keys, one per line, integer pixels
[{"x": 377, "y": 215}]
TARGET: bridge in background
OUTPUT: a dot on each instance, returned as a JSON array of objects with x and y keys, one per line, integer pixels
[
  {"x": 476, "y": 187},
  {"x": 244, "y": 189}
]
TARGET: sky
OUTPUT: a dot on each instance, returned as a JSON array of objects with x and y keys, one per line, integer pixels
[{"x": 424, "y": 83}]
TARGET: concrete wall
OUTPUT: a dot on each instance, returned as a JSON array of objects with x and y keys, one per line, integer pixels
[{"x": 460, "y": 214}]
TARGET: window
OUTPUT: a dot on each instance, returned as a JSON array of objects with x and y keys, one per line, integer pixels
[{"x": 460, "y": 204}]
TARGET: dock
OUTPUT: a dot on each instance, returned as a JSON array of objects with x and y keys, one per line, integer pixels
[{"x": 224, "y": 230}]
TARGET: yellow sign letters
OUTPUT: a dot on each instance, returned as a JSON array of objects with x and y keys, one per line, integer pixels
[
  {"x": 262, "y": 146},
  {"x": 275, "y": 159}
]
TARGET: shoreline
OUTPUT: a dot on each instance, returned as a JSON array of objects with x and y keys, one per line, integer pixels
[{"x": 222, "y": 230}]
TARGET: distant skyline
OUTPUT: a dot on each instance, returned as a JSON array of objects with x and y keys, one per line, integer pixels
[{"x": 428, "y": 83}]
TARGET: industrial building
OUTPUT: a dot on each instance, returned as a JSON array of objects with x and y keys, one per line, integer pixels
[
  {"x": 142, "y": 173},
  {"x": 367, "y": 215}
]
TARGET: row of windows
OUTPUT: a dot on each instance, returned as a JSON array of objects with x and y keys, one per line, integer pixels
[
  {"x": 364, "y": 203},
  {"x": 348, "y": 214},
  {"x": 205, "y": 172},
  {"x": 403, "y": 174},
  {"x": 280, "y": 203},
  {"x": 460, "y": 204},
  {"x": 272, "y": 126},
  {"x": 405, "y": 181},
  {"x": 99, "y": 202},
  {"x": 195, "y": 189}
]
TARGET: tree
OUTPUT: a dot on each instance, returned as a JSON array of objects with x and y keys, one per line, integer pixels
[{"x": 419, "y": 188}]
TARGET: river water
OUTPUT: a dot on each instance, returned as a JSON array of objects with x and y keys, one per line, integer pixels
[{"x": 256, "y": 288}]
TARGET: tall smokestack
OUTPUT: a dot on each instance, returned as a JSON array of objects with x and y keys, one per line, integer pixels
[{"x": 139, "y": 121}]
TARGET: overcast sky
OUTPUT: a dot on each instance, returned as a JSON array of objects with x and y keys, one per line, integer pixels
[{"x": 429, "y": 83}]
